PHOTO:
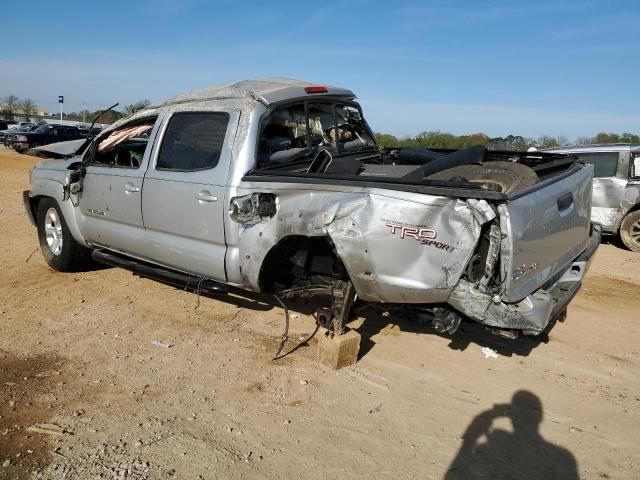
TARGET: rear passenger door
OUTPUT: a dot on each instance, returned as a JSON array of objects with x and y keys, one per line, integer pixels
[
  {"x": 183, "y": 202},
  {"x": 608, "y": 187}
]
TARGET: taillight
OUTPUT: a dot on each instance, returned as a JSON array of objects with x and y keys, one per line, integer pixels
[{"x": 316, "y": 89}]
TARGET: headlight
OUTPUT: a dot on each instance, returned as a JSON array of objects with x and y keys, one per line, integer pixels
[{"x": 21, "y": 138}]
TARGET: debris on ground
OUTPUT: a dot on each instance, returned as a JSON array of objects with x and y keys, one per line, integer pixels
[
  {"x": 375, "y": 409},
  {"x": 159, "y": 344},
  {"x": 489, "y": 352},
  {"x": 47, "y": 374},
  {"x": 48, "y": 429}
]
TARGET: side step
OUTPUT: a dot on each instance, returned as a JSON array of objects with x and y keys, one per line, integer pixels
[{"x": 165, "y": 275}]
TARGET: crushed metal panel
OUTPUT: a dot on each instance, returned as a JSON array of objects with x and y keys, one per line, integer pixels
[
  {"x": 396, "y": 246},
  {"x": 608, "y": 194},
  {"x": 530, "y": 315},
  {"x": 630, "y": 199},
  {"x": 407, "y": 251},
  {"x": 60, "y": 149}
]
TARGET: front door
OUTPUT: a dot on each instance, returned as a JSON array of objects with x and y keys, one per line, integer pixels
[
  {"x": 111, "y": 199},
  {"x": 183, "y": 202}
]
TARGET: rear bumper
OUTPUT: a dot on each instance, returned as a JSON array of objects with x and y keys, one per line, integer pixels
[{"x": 542, "y": 307}]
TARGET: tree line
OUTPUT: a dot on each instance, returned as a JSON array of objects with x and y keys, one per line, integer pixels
[
  {"x": 437, "y": 139},
  {"x": 11, "y": 106}
]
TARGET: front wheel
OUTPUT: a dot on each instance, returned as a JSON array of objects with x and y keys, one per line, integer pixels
[
  {"x": 630, "y": 231},
  {"x": 59, "y": 248}
]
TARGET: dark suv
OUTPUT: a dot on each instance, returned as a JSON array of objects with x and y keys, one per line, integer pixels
[{"x": 43, "y": 135}]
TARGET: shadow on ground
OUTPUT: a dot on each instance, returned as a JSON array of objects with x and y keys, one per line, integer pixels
[
  {"x": 378, "y": 317},
  {"x": 469, "y": 333},
  {"x": 523, "y": 453}
]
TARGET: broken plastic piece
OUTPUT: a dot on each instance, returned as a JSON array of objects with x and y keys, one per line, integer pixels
[
  {"x": 489, "y": 352},
  {"x": 158, "y": 343}
]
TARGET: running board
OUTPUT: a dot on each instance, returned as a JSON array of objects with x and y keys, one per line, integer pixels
[{"x": 162, "y": 274}]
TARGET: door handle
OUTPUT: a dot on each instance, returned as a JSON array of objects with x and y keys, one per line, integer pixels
[
  {"x": 565, "y": 201},
  {"x": 131, "y": 188},
  {"x": 205, "y": 196}
]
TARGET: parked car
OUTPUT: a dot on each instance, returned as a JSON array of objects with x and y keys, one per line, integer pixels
[
  {"x": 3, "y": 125},
  {"x": 6, "y": 134},
  {"x": 17, "y": 125},
  {"x": 43, "y": 135},
  {"x": 616, "y": 188},
  {"x": 86, "y": 132},
  {"x": 278, "y": 186}
]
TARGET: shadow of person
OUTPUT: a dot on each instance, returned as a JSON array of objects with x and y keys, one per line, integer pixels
[{"x": 522, "y": 454}]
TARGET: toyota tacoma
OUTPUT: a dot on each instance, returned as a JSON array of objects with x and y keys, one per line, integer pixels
[{"x": 278, "y": 186}]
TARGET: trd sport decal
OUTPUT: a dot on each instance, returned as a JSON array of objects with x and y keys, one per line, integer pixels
[{"x": 423, "y": 235}]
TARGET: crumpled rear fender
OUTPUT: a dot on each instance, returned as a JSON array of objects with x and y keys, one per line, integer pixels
[
  {"x": 630, "y": 200},
  {"x": 397, "y": 247}
]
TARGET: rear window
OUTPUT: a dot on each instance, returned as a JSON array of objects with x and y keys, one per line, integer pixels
[
  {"x": 605, "y": 164},
  {"x": 193, "y": 141}
]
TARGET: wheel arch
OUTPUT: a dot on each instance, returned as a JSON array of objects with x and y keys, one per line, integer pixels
[
  {"x": 634, "y": 208},
  {"x": 68, "y": 211},
  {"x": 294, "y": 255}
]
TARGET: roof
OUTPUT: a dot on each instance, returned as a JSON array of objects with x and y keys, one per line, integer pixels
[
  {"x": 596, "y": 147},
  {"x": 265, "y": 90},
  {"x": 244, "y": 94}
]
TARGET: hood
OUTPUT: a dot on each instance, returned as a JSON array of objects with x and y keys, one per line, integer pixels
[{"x": 58, "y": 150}]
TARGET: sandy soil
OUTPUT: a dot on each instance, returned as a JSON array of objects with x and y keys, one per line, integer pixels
[{"x": 76, "y": 352}]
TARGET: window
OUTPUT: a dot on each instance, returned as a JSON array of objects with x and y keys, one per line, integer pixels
[
  {"x": 193, "y": 141},
  {"x": 43, "y": 129},
  {"x": 605, "y": 164},
  {"x": 636, "y": 166},
  {"x": 296, "y": 133},
  {"x": 125, "y": 146}
]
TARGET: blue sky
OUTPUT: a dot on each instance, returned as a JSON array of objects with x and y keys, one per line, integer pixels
[{"x": 524, "y": 67}]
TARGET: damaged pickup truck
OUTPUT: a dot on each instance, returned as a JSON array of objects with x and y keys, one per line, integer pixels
[{"x": 278, "y": 186}]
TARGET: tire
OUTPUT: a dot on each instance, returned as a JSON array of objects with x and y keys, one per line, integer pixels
[
  {"x": 630, "y": 231},
  {"x": 505, "y": 177},
  {"x": 59, "y": 248}
]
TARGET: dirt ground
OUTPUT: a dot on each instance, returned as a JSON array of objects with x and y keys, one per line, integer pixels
[{"x": 76, "y": 355}]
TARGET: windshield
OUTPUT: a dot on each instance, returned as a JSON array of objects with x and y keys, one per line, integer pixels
[
  {"x": 298, "y": 131},
  {"x": 43, "y": 129}
]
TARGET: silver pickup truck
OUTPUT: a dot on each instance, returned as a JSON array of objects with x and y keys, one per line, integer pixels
[{"x": 278, "y": 186}]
